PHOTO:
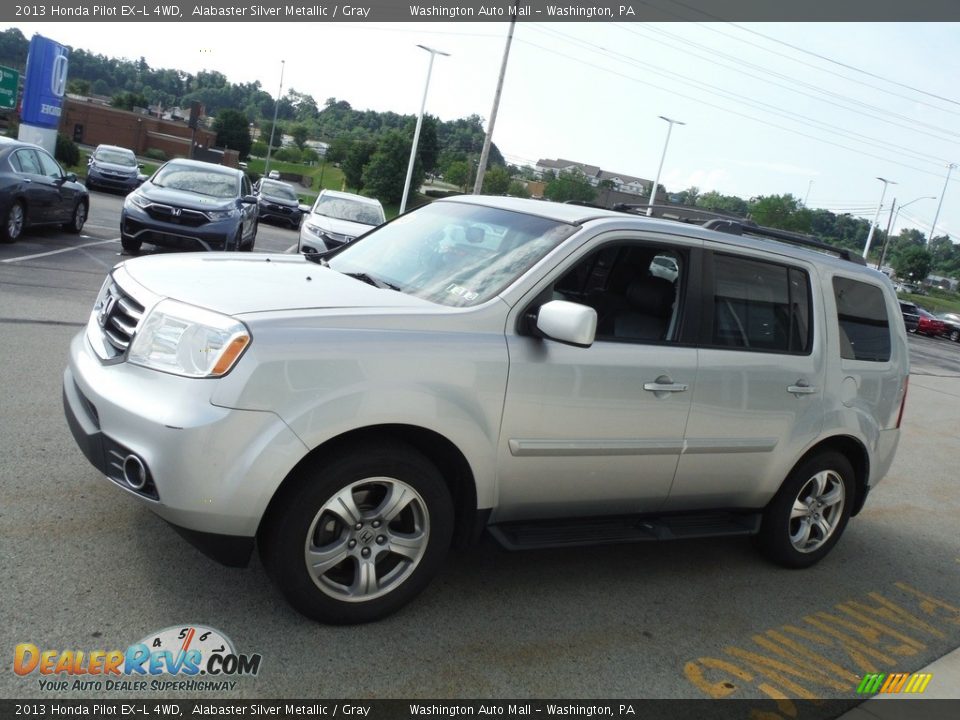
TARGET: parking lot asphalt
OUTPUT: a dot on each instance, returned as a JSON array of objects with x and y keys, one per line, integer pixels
[{"x": 88, "y": 568}]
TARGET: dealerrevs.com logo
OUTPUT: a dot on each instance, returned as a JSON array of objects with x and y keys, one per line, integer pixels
[{"x": 187, "y": 657}]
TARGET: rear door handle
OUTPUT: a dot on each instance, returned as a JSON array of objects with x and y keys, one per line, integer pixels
[{"x": 801, "y": 388}]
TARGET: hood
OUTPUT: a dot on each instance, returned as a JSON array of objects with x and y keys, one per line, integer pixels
[
  {"x": 341, "y": 227},
  {"x": 235, "y": 284},
  {"x": 183, "y": 198},
  {"x": 277, "y": 200}
]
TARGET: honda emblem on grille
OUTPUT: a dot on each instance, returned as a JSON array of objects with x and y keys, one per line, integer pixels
[
  {"x": 175, "y": 211},
  {"x": 105, "y": 311}
]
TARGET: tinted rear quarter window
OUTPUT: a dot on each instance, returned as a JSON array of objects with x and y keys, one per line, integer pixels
[
  {"x": 862, "y": 318},
  {"x": 760, "y": 306}
]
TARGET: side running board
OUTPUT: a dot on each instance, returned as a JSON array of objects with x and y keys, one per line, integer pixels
[{"x": 615, "y": 530}]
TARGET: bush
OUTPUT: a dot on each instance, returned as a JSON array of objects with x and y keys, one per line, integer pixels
[
  {"x": 258, "y": 149},
  {"x": 288, "y": 154},
  {"x": 156, "y": 154},
  {"x": 66, "y": 151}
]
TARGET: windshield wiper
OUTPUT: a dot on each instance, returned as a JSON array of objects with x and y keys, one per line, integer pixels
[{"x": 376, "y": 282}]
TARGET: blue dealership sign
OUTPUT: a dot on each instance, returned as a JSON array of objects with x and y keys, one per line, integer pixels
[{"x": 45, "y": 83}]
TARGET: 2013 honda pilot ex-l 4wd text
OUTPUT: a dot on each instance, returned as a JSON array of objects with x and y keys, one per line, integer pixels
[{"x": 490, "y": 363}]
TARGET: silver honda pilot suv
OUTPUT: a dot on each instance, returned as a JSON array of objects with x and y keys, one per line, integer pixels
[{"x": 554, "y": 374}]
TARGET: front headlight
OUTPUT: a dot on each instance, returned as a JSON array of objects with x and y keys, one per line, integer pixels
[
  {"x": 185, "y": 340},
  {"x": 215, "y": 215},
  {"x": 138, "y": 200}
]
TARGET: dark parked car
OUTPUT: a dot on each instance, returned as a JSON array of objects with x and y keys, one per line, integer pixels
[
  {"x": 34, "y": 190},
  {"x": 113, "y": 168},
  {"x": 911, "y": 318},
  {"x": 952, "y": 323},
  {"x": 929, "y": 324},
  {"x": 191, "y": 205},
  {"x": 278, "y": 201}
]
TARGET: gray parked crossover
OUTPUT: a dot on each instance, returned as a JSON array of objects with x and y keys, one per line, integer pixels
[{"x": 522, "y": 367}]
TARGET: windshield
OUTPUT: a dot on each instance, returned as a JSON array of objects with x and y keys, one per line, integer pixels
[
  {"x": 451, "y": 253},
  {"x": 116, "y": 157},
  {"x": 278, "y": 190},
  {"x": 198, "y": 180},
  {"x": 341, "y": 208}
]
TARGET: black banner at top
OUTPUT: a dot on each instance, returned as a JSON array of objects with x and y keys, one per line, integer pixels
[{"x": 479, "y": 11}]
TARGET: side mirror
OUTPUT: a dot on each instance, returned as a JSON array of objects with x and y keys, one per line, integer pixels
[
  {"x": 249, "y": 199},
  {"x": 568, "y": 322},
  {"x": 70, "y": 177},
  {"x": 305, "y": 209}
]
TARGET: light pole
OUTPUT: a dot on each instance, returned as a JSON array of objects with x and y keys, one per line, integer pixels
[
  {"x": 950, "y": 167},
  {"x": 653, "y": 191},
  {"x": 273, "y": 127},
  {"x": 893, "y": 224},
  {"x": 873, "y": 225},
  {"x": 416, "y": 133}
]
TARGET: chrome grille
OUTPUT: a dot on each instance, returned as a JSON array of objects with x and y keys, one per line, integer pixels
[
  {"x": 118, "y": 315},
  {"x": 178, "y": 216}
]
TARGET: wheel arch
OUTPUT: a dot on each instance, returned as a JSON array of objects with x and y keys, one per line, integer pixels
[
  {"x": 450, "y": 461},
  {"x": 855, "y": 452}
]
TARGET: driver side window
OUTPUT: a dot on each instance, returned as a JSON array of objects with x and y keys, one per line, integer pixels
[{"x": 635, "y": 289}]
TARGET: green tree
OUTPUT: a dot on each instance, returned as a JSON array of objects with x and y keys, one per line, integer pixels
[
  {"x": 356, "y": 160},
  {"x": 723, "y": 203},
  {"x": 299, "y": 133},
  {"x": 496, "y": 180},
  {"x": 780, "y": 211},
  {"x": 338, "y": 148},
  {"x": 266, "y": 128},
  {"x": 385, "y": 175},
  {"x": 912, "y": 264},
  {"x": 570, "y": 186},
  {"x": 518, "y": 189},
  {"x": 458, "y": 173},
  {"x": 128, "y": 101},
  {"x": 233, "y": 131}
]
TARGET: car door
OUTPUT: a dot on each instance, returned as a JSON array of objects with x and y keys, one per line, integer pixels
[
  {"x": 599, "y": 430},
  {"x": 40, "y": 193},
  {"x": 758, "y": 402},
  {"x": 63, "y": 194}
]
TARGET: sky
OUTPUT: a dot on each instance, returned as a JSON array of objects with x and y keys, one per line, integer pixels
[{"x": 818, "y": 110}]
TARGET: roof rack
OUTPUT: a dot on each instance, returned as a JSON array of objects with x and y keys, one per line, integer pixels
[{"x": 742, "y": 226}]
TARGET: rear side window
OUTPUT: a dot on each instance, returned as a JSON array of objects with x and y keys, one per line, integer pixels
[
  {"x": 760, "y": 306},
  {"x": 862, "y": 317}
]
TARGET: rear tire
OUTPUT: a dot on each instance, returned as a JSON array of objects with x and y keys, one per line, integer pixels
[
  {"x": 75, "y": 225},
  {"x": 807, "y": 516},
  {"x": 955, "y": 335},
  {"x": 13, "y": 223},
  {"x": 357, "y": 535}
]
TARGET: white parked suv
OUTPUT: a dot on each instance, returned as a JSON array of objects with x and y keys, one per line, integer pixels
[
  {"x": 496, "y": 364},
  {"x": 338, "y": 218}
]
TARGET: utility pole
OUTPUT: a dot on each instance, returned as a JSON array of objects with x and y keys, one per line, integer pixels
[
  {"x": 886, "y": 236},
  {"x": 950, "y": 167},
  {"x": 485, "y": 154},
  {"x": 273, "y": 128},
  {"x": 873, "y": 225}
]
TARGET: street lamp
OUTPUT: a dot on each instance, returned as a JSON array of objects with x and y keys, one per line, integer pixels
[
  {"x": 653, "y": 191},
  {"x": 416, "y": 133},
  {"x": 950, "y": 167},
  {"x": 873, "y": 226},
  {"x": 273, "y": 127},
  {"x": 893, "y": 225}
]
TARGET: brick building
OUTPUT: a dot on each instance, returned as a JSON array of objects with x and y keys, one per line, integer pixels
[{"x": 92, "y": 123}]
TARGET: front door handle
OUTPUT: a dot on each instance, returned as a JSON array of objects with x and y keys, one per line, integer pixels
[
  {"x": 664, "y": 384},
  {"x": 801, "y": 388}
]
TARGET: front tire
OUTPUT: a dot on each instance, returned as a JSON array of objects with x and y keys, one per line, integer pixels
[
  {"x": 807, "y": 516},
  {"x": 955, "y": 335},
  {"x": 12, "y": 226},
  {"x": 356, "y": 536},
  {"x": 130, "y": 245}
]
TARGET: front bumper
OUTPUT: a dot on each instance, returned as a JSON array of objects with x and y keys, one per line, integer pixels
[
  {"x": 137, "y": 224},
  {"x": 95, "y": 178},
  {"x": 212, "y": 470}
]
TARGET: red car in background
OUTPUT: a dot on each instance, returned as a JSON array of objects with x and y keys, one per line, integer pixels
[{"x": 930, "y": 325}]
